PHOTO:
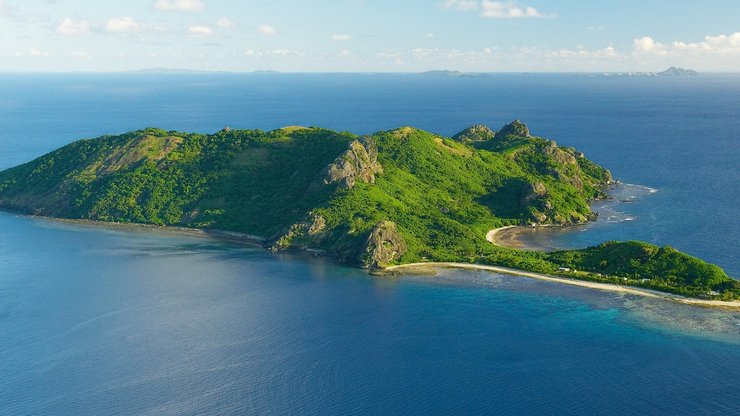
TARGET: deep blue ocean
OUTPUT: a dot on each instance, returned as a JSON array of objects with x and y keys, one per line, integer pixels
[{"x": 97, "y": 321}]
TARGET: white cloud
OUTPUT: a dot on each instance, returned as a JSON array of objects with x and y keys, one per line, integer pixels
[
  {"x": 200, "y": 30},
  {"x": 494, "y": 9},
  {"x": 81, "y": 55},
  {"x": 283, "y": 52},
  {"x": 124, "y": 25},
  {"x": 462, "y": 5},
  {"x": 507, "y": 10},
  {"x": 341, "y": 38},
  {"x": 711, "y": 45},
  {"x": 266, "y": 30},
  {"x": 179, "y": 5},
  {"x": 70, "y": 27},
  {"x": 648, "y": 45},
  {"x": 37, "y": 52},
  {"x": 429, "y": 35},
  {"x": 225, "y": 22},
  {"x": 423, "y": 52},
  {"x": 607, "y": 52},
  {"x": 6, "y": 10}
]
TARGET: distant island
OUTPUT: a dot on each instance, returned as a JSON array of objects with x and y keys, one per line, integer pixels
[
  {"x": 447, "y": 73},
  {"x": 378, "y": 201},
  {"x": 670, "y": 72}
]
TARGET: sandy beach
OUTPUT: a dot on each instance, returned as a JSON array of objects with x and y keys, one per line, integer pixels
[
  {"x": 520, "y": 237},
  {"x": 730, "y": 305},
  {"x": 506, "y": 237}
]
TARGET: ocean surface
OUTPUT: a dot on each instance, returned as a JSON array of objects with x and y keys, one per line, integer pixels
[{"x": 100, "y": 321}]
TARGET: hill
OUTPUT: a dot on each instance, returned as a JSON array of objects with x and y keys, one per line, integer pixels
[{"x": 396, "y": 196}]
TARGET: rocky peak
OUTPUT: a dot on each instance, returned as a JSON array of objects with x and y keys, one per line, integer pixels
[
  {"x": 677, "y": 72},
  {"x": 384, "y": 245},
  {"x": 358, "y": 163},
  {"x": 515, "y": 128},
  {"x": 475, "y": 133}
]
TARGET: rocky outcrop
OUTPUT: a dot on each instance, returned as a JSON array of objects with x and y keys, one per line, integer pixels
[
  {"x": 384, "y": 245},
  {"x": 552, "y": 150},
  {"x": 534, "y": 199},
  {"x": 532, "y": 192},
  {"x": 565, "y": 167},
  {"x": 310, "y": 229},
  {"x": 475, "y": 133},
  {"x": 515, "y": 128},
  {"x": 358, "y": 163}
]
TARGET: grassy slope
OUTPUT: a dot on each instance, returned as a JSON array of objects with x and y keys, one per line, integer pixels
[{"x": 443, "y": 195}]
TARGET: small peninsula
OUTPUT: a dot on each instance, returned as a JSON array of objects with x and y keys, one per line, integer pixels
[{"x": 377, "y": 201}]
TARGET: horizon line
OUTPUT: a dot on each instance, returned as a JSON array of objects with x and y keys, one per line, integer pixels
[{"x": 450, "y": 72}]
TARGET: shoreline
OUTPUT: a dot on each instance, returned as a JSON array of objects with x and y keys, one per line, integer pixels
[
  {"x": 608, "y": 287},
  {"x": 510, "y": 236},
  {"x": 507, "y": 237},
  {"x": 220, "y": 235},
  {"x": 234, "y": 237}
]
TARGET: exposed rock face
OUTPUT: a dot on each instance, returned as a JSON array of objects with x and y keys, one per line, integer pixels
[
  {"x": 515, "y": 128},
  {"x": 317, "y": 225},
  {"x": 476, "y": 133},
  {"x": 534, "y": 198},
  {"x": 560, "y": 155},
  {"x": 358, "y": 163},
  {"x": 311, "y": 229},
  {"x": 531, "y": 192},
  {"x": 383, "y": 246},
  {"x": 563, "y": 157}
]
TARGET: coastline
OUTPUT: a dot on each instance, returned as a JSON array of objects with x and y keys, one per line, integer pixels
[
  {"x": 508, "y": 237},
  {"x": 727, "y": 305},
  {"x": 524, "y": 237},
  {"x": 425, "y": 268},
  {"x": 220, "y": 235}
]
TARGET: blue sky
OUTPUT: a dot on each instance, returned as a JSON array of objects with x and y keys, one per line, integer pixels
[{"x": 369, "y": 35}]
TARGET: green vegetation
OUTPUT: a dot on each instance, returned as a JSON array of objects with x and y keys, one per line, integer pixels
[{"x": 397, "y": 196}]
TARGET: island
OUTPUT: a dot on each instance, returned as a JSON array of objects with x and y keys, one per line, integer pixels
[
  {"x": 392, "y": 198},
  {"x": 670, "y": 72}
]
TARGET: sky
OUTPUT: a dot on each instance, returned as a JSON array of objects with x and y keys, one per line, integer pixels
[{"x": 369, "y": 35}]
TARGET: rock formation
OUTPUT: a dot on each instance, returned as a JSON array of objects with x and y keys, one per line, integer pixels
[
  {"x": 310, "y": 229},
  {"x": 475, "y": 133},
  {"x": 358, "y": 163},
  {"x": 515, "y": 128},
  {"x": 384, "y": 245}
]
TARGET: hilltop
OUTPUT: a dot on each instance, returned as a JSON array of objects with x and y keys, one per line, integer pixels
[
  {"x": 677, "y": 72},
  {"x": 397, "y": 196}
]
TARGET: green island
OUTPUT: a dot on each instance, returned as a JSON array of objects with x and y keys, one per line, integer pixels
[{"x": 391, "y": 198}]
